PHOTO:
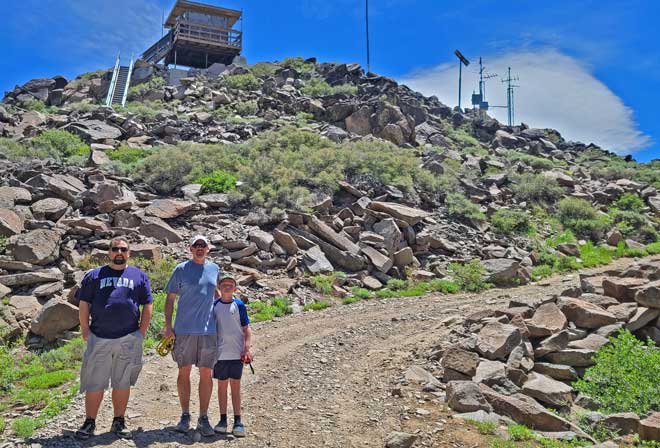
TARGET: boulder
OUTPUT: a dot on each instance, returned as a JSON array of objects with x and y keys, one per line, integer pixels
[
  {"x": 525, "y": 410},
  {"x": 585, "y": 314},
  {"x": 402, "y": 212},
  {"x": 380, "y": 261},
  {"x": 649, "y": 428},
  {"x": 554, "y": 343},
  {"x": 393, "y": 238},
  {"x": 557, "y": 371},
  {"x": 549, "y": 391},
  {"x": 32, "y": 278},
  {"x": 623, "y": 289},
  {"x": 24, "y": 307},
  {"x": 461, "y": 361},
  {"x": 623, "y": 311},
  {"x": 286, "y": 241},
  {"x": 497, "y": 340},
  {"x": 547, "y": 319},
  {"x": 592, "y": 342},
  {"x": 56, "y": 317},
  {"x": 316, "y": 262},
  {"x": 648, "y": 295},
  {"x": 48, "y": 289},
  {"x": 168, "y": 208},
  {"x": 10, "y": 223},
  {"x": 404, "y": 257},
  {"x": 9, "y": 196},
  {"x": 49, "y": 208},
  {"x": 94, "y": 131},
  {"x": 262, "y": 239},
  {"x": 501, "y": 271},
  {"x": 466, "y": 396},
  {"x": 159, "y": 229},
  {"x": 575, "y": 357},
  {"x": 147, "y": 251},
  {"x": 39, "y": 246},
  {"x": 398, "y": 439},
  {"x": 419, "y": 375},
  {"x": 643, "y": 316},
  {"x": 623, "y": 423},
  {"x": 328, "y": 234}
]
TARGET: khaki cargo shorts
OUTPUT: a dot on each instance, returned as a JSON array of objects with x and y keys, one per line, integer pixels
[
  {"x": 111, "y": 361},
  {"x": 199, "y": 350}
]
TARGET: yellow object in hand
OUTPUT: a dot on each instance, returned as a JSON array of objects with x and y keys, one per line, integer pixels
[{"x": 165, "y": 345}]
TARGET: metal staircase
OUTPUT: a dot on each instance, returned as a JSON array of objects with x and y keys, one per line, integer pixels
[{"x": 121, "y": 81}]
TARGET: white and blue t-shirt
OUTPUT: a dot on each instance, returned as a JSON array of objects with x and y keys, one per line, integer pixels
[
  {"x": 231, "y": 318},
  {"x": 195, "y": 284}
]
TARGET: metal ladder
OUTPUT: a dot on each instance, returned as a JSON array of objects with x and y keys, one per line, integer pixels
[{"x": 121, "y": 81}]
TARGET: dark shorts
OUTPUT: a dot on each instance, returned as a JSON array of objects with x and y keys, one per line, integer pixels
[{"x": 228, "y": 368}]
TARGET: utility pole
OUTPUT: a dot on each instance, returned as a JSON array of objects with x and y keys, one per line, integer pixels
[
  {"x": 366, "y": 17},
  {"x": 509, "y": 96},
  {"x": 461, "y": 61}
]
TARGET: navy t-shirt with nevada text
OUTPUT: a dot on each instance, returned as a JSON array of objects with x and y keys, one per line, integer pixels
[{"x": 114, "y": 297}]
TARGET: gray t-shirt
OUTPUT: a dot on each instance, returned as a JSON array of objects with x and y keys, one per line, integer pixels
[
  {"x": 231, "y": 318},
  {"x": 195, "y": 284}
]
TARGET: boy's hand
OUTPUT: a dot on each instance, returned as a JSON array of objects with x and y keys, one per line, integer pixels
[{"x": 246, "y": 356}]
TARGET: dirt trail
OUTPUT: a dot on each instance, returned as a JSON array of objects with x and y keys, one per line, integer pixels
[{"x": 323, "y": 379}]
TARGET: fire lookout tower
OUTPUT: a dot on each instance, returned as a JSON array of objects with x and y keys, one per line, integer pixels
[{"x": 199, "y": 36}]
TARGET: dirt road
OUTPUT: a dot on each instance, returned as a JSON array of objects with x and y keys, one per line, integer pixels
[{"x": 323, "y": 379}]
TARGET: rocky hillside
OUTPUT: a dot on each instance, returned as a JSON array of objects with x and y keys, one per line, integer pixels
[{"x": 296, "y": 168}]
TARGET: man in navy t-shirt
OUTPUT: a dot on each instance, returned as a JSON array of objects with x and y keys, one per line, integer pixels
[{"x": 112, "y": 296}]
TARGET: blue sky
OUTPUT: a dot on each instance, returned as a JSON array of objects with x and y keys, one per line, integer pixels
[{"x": 591, "y": 69}]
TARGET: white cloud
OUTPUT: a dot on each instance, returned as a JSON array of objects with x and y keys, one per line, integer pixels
[{"x": 556, "y": 91}]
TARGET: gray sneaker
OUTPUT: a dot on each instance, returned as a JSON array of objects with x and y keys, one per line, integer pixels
[
  {"x": 239, "y": 430},
  {"x": 221, "y": 427},
  {"x": 184, "y": 423},
  {"x": 204, "y": 427}
]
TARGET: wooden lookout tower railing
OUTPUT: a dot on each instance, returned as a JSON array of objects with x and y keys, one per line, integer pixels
[{"x": 200, "y": 35}]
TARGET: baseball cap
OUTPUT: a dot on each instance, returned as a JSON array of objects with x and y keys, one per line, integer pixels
[
  {"x": 201, "y": 238},
  {"x": 226, "y": 276}
]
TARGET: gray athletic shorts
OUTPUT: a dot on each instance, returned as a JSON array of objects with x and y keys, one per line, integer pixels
[
  {"x": 111, "y": 361},
  {"x": 199, "y": 350}
]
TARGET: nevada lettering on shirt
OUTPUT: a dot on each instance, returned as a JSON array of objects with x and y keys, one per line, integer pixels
[{"x": 117, "y": 282}]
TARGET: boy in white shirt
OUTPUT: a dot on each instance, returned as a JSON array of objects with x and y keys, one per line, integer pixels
[{"x": 234, "y": 343}]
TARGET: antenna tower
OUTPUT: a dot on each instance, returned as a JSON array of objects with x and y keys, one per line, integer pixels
[
  {"x": 509, "y": 96},
  {"x": 480, "y": 98}
]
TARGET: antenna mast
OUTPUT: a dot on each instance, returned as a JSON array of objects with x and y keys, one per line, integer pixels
[
  {"x": 509, "y": 96},
  {"x": 366, "y": 18}
]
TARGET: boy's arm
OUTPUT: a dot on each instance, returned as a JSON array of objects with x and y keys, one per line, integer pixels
[{"x": 247, "y": 336}]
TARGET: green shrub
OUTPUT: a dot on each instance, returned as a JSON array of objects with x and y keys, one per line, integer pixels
[
  {"x": 218, "y": 181},
  {"x": 298, "y": 64},
  {"x": 50, "y": 379},
  {"x": 542, "y": 271},
  {"x": 520, "y": 433},
  {"x": 158, "y": 271},
  {"x": 3, "y": 425},
  {"x": 316, "y": 305},
  {"x": 262, "y": 311},
  {"x": 629, "y": 202},
  {"x": 653, "y": 248},
  {"x": 624, "y": 378},
  {"x": 317, "y": 87},
  {"x": 144, "y": 109},
  {"x": 127, "y": 155},
  {"x": 323, "y": 283},
  {"x": 485, "y": 428},
  {"x": 509, "y": 221},
  {"x": 350, "y": 299},
  {"x": 470, "y": 276},
  {"x": 535, "y": 162},
  {"x": 38, "y": 106},
  {"x": 60, "y": 144},
  {"x": 461, "y": 207},
  {"x": 396, "y": 284},
  {"x": 628, "y": 222},
  {"x": 263, "y": 69},
  {"x": 582, "y": 218},
  {"x": 246, "y": 81},
  {"x": 561, "y": 238},
  {"x": 166, "y": 169},
  {"x": 24, "y": 427},
  {"x": 536, "y": 188},
  {"x": 592, "y": 255},
  {"x": 14, "y": 150},
  {"x": 444, "y": 286},
  {"x": 361, "y": 293},
  {"x": 246, "y": 108},
  {"x": 155, "y": 83}
]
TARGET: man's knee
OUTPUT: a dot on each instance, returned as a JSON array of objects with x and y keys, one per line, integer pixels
[
  {"x": 184, "y": 372},
  {"x": 205, "y": 372}
]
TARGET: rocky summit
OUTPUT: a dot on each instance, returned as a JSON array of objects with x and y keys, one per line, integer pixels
[{"x": 317, "y": 182}]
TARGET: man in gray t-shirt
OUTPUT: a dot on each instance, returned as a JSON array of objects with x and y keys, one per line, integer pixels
[{"x": 194, "y": 283}]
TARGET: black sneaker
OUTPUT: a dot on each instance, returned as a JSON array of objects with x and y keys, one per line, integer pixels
[
  {"x": 87, "y": 429},
  {"x": 119, "y": 428},
  {"x": 184, "y": 423},
  {"x": 204, "y": 427}
]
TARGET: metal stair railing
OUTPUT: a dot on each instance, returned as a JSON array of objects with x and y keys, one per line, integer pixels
[
  {"x": 128, "y": 83},
  {"x": 113, "y": 83}
]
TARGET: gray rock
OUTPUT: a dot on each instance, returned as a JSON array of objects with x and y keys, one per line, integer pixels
[
  {"x": 585, "y": 314},
  {"x": 39, "y": 246},
  {"x": 55, "y": 317},
  {"x": 556, "y": 371},
  {"x": 159, "y": 229},
  {"x": 316, "y": 262},
  {"x": 547, "y": 390},
  {"x": 31, "y": 278},
  {"x": 496, "y": 340},
  {"x": 10, "y": 223},
  {"x": 49, "y": 208},
  {"x": 460, "y": 360},
  {"x": 547, "y": 320},
  {"x": 642, "y": 317},
  {"x": 465, "y": 396},
  {"x": 400, "y": 440},
  {"x": 649, "y": 295}
]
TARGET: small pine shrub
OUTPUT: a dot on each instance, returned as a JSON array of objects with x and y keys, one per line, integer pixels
[
  {"x": 323, "y": 283},
  {"x": 653, "y": 248},
  {"x": 50, "y": 379},
  {"x": 317, "y": 305},
  {"x": 444, "y": 286},
  {"x": 263, "y": 70},
  {"x": 317, "y": 87},
  {"x": 218, "y": 181},
  {"x": 484, "y": 428},
  {"x": 629, "y": 202},
  {"x": 36, "y": 105},
  {"x": 350, "y": 299},
  {"x": 470, "y": 276},
  {"x": 262, "y": 311},
  {"x": 461, "y": 207},
  {"x": 60, "y": 144},
  {"x": 127, "y": 155},
  {"x": 582, "y": 218},
  {"x": 624, "y": 378},
  {"x": 509, "y": 221},
  {"x": 247, "y": 108},
  {"x": 396, "y": 284},
  {"x": 361, "y": 293},
  {"x": 246, "y": 81},
  {"x": 520, "y": 433},
  {"x": 298, "y": 64},
  {"x": 536, "y": 188},
  {"x": 158, "y": 271},
  {"x": 155, "y": 83}
]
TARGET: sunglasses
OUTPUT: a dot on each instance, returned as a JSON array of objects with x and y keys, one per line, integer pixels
[
  {"x": 199, "y": 245},
  {"x": 119, "y": 249}
]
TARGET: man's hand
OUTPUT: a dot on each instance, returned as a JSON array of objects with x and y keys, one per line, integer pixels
[
  {"x": 167, "y": 332},
  {"x": 85, "y": 333},
  {"x": 143, "y": 332}
]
